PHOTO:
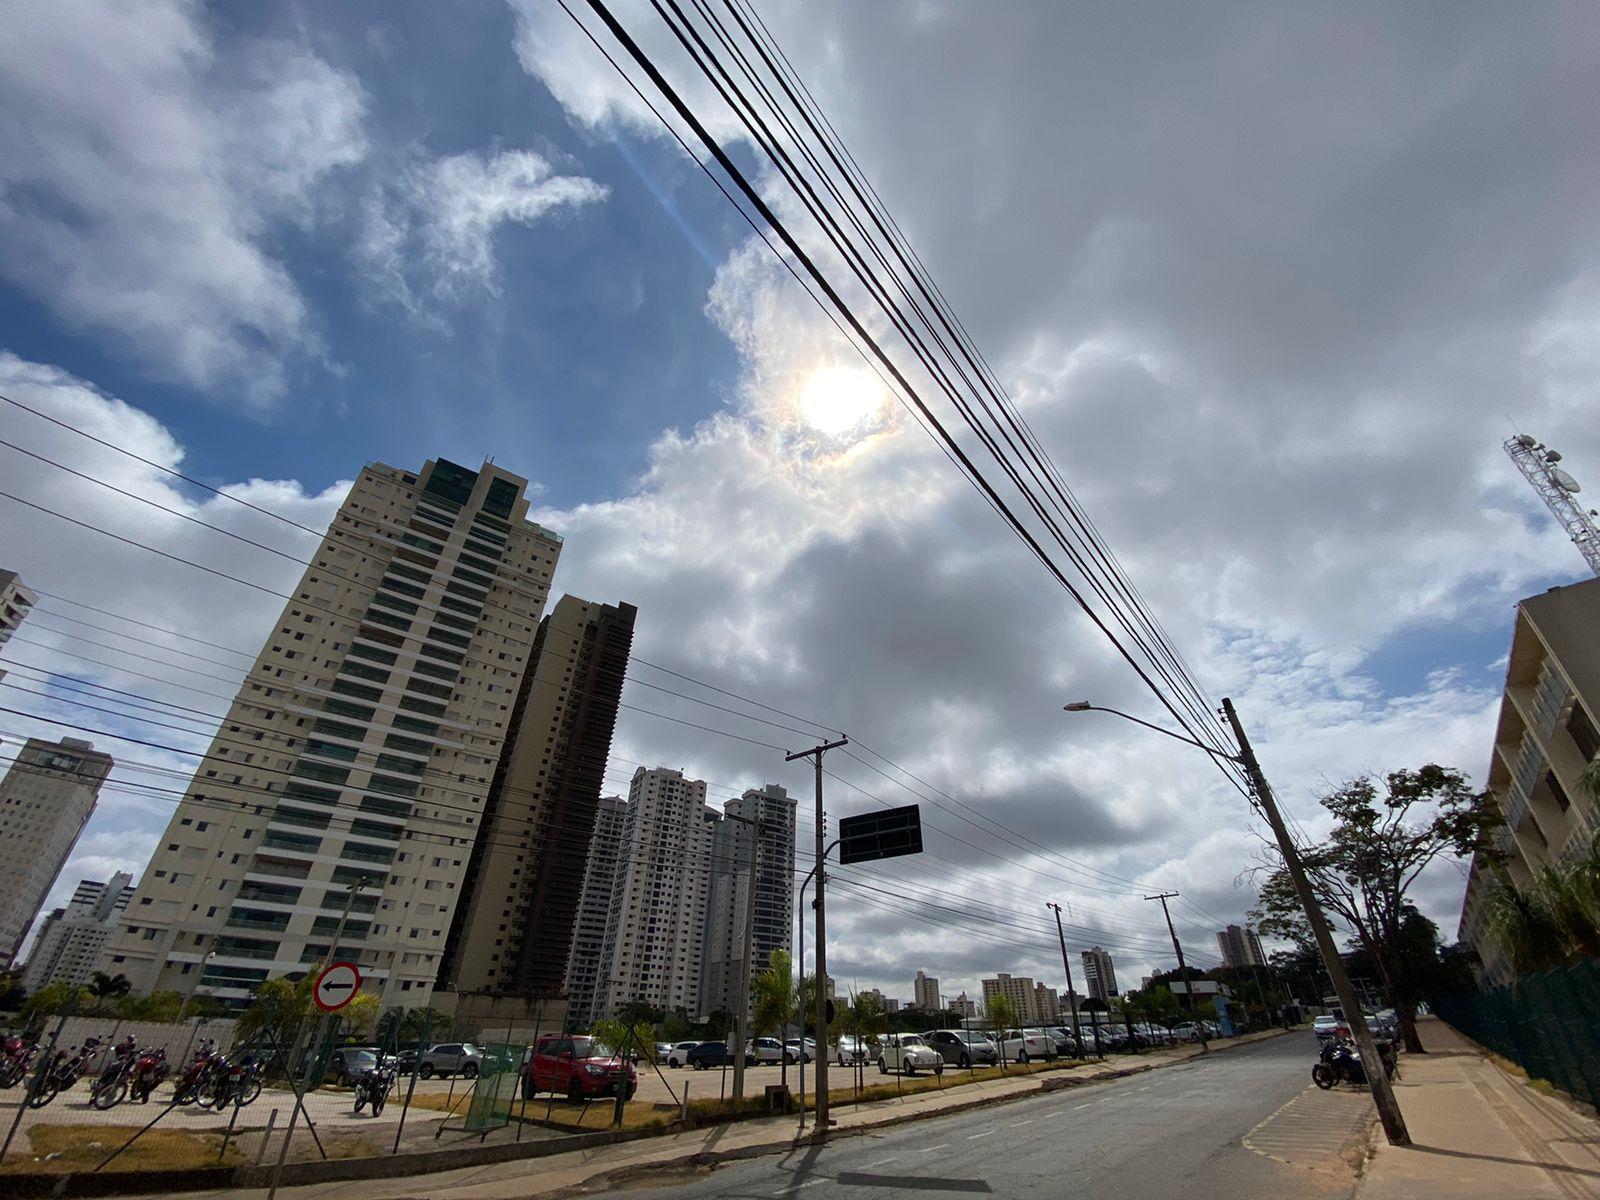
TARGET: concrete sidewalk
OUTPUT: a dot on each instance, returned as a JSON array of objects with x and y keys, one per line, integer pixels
[
  {"x": 519, "y": 1180},
  {"x": 1478, "y": 1131}
]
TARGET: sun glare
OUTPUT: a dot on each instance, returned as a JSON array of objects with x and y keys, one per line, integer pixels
[{"x": 838, "y": 400}]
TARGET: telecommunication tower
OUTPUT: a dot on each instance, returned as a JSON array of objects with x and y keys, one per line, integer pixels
[{"x": 1559, "y": 491}]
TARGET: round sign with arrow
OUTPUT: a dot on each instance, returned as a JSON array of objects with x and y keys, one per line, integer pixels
[{"x": 336, "y": 986}]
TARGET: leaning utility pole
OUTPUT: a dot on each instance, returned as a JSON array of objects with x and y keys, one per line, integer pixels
[
  {"x": 1394, "y": 1125},
  {"x": 743, "y": 1011},
  {"x": 821, "y": 1057},
  {"x": 1177, "y": 948},
  {"x": 1072, "y": 996}
]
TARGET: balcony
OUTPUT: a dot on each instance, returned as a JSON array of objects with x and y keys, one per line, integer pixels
[{"x": 269, "y": 922}]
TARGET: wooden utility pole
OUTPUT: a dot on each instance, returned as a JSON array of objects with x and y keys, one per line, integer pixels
[
  {"x": 821, "y": 1057},
  {"x": 1072, "y": 996},
  {"x": 1177, "y": 948},
  {"x": 1394, "y": 1124}
]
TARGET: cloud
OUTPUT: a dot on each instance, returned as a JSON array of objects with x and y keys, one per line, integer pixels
[
  {"x": 142, "y": 172},
  {"x": 437, "y": 221}
]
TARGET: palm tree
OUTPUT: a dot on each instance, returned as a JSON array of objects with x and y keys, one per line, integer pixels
[
  {"x": 105, "y": 989},
  {"x": 1529, "y": 933},
  {"x": 778, "y": 999},
  {"x": 868, "y": 1020},
  {"x": 1002, "y": 1013}
]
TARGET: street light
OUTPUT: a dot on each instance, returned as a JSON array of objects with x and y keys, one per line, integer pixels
[{"x": 1394, "y": 1126}]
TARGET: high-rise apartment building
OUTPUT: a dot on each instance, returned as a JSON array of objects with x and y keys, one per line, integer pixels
[
  {"x": 71, "y": 940},
  {"x": 655, "y": 932},
  {"x": 1548, "y": 732},
  {"x": 964, "y": 1007},
  {"x": 1099, "y": 976},
  {"x": 357, "y": 756},
  {"x": 1241, "y": 948},
  {"x": 16, "y": 602},
  {"x": 584, "y": 958},
  {"x": 513, "y": 928},
  {"x": 925, "y": 993},
  {"x": 1046, "y": 1003},
  {"x": 726, "y": 905},
  {"x": 46, "y": 799},
  {"x": 1021, "y": 991}
]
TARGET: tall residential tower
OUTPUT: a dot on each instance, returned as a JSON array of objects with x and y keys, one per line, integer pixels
[
  {"x": 774, "y": 809},
  {"x": 357, "y": 756}
]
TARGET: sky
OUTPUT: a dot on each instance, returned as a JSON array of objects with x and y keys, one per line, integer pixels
[{"x": 1270, "y": 285}]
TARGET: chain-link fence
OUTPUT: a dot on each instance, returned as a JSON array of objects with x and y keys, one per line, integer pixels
[{"x": 1547, "y": 1023}]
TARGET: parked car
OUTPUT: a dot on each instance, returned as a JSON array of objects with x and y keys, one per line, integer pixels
[
  {"x": 766, "y": 1050},
  {"x": 1188, "y": 1031},
  {"x": 678, "y": 1055},
  {"x": 579, "y": 1068},
  {"x": 1326, "y": 1027},
  {"x": 715, "y": 1054},
  {"x": 1027, "y": 1045},
  {"x": 451, "y": 1058},
  {"x": 662, "y": 1050},
  {"x": 908, "y": 1054},
  {"x": 963, "y": 1047},
  {"x": 851, "y": 1050},
  {"x": 345, "y": 1063},
  {"x": 795, "y": 1050}
]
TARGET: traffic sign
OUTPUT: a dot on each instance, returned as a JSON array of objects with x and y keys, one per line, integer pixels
[
  {"x": 336, "y": 986},
  {"x": 877, "y": 835}
]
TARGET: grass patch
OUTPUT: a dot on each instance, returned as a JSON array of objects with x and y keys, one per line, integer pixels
[{"x": 64, "y": 1148}]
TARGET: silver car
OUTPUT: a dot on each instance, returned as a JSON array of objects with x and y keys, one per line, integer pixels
[
  {"x": 963, "y": 1047},
  {"x": 451, "y": 1058}
]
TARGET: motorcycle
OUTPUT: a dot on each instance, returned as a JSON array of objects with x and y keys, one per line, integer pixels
[
  {"x": 17, "y": 1056},
  {"x": 64, "y": 1070},
  {"x": 235, "y": 1083},
  {"x": 1341, "y": 1063},
  {"x": 372, "y": 1087},
  {"x": 149, "y": 1072},
  {"x": 196, "y": 1082},
  {"x": 112, "y": 1086}
]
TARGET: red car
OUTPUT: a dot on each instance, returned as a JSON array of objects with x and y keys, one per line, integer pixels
[{"x": 580, "y": 1068}]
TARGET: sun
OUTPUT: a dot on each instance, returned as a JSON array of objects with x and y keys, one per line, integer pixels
[{"x": 837, "y": 401}]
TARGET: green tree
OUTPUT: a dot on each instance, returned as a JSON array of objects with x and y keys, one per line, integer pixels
[
  {"x": 866, "y": 1021},
  {"x": 1554, "y": 919},
  {"x": 778, "y": 1002},
  {"x": 53, "y": 1000},
  {"x": 618, "y": 1036},
  {"x": 105, "y": 990},
  {"x": 276, "y": 1012},
  {"x": 1002, "y": 1015},
  {"x": 1382, "y": 839}
]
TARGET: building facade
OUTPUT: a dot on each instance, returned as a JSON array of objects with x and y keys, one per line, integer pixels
[
  {"x": 1099, "y": 975},
  {"x": 72, "y": 939},
  {"x": 964, "y": 1007},
  {"x": 654, "y": 950},
  {"x": 773, "y": 926},
  {"x": 354, "y": 765},
  {"x": 594, "y": 908},
  {"x": 46, "y": 798},
  {"x": 1548, "y": 732},
  {"x": 925, "y": 993},
  {"x": 1241, "y": 948},
  {"x": 513, "y": 928},
  {"x": 1046, "y": 1003},
  {"x": 16, "y": 601},
  {"x": 1021, "y": 991}
]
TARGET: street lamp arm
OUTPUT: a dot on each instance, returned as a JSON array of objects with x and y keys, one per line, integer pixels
[{"x": 1085, "y": 706}]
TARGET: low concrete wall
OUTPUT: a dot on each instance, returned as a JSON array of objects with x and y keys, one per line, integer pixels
[{"x": 174, "y": 1038}]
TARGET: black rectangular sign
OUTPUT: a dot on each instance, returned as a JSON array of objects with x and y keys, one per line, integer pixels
[{"x": 886, "y": 834}]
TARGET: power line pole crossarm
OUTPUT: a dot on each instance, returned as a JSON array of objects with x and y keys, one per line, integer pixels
[
  {"x": 1394, "y": 1125},
  {"x": 821, "y": 988}
]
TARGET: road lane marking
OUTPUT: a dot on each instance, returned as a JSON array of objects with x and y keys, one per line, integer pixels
[
  {"x": 1029, "y": 1121},
  {"x": 883, "y": 1161},
  {"x": 940, "y": 1146},
  {"x": 795, "y": 1187},
  {"x": 1076, "y": 1107},
  {"x": 974, "y": 1137}
]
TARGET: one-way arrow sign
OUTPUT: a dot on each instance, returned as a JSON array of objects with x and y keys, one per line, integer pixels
[{"x": 336, "y": 986}]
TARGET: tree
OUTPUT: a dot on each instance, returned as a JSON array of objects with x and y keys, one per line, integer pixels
[
  {"x": 867, "y": 1020},
  {"x": 276, "y": 1012},
  {"x": 1380, "y": 842},
  {"x": 1555, "y": 919},
  {"x": 1002, "y": 1015},
  {"x": 105, "y": 990},
  {"x": 53, "y": 1000},
  {"x": 778, "y": 1001}
]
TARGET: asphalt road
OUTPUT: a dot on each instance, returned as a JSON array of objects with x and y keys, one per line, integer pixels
[{"x": 1173, "y": 1132}]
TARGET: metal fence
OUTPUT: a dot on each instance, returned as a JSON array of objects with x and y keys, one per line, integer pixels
[{"x": 1548, "y": 1024}]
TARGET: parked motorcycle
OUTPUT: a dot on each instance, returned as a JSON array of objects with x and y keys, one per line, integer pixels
[
  {"x": 149, "y": 1071},
  {"x": 17, "y": 1056},
  {"x": 236, "y": 1083},
  {"x": 372, "y": 1087},
  {"x": 112, "y": 1086},
  {"x": 195, "y": 1083},
  {"x": 65, "y": 1070},
  {"x": 1341, "y": 1063}
]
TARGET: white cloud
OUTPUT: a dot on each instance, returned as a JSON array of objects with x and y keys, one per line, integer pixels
[
  {"x": 141, "y": 171},
  {"x": 437, "y": 221}
]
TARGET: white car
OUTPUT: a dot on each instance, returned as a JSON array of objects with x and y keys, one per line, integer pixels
[
  {"x": 851, "y": 1051},
  {"x": 766, "y": 1050},
  {"x": 908, "y": 1054},
  {"x": 678, "y": 1056},
  {"x": 1027, "y": 1045},
  {"x": 1325, "y": 1027},
  {"x": 795, "y": 1051}
]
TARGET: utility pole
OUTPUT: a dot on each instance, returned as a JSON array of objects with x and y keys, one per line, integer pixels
[
  {"x": 1394, "y": 1124},
  {"x": 1072, "y": 995},
  {"x": 821, "y": 1057},
  {"x": 1177, "y": 948},
  {"x": 742, "y": 1012}
]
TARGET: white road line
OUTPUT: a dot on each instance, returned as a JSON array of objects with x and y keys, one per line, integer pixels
[
  {"x": 940, "y": 1146},
  {"x": 883, "y": 1161},
  {"x": 1076, "y": 1107},
  {"x": 798, "y": 1186},
  {"x": 1029, "y": 1121},
  {"x": 974, "y": 1137}
]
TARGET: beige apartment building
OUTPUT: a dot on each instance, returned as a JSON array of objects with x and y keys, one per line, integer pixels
[
  {"x": 1021, "y": 991},
  {"x": 72, "y": 939},
  {"x": 354, "y": 765},
  {"x": 1548, "y": 731},
  {"x": 16, "y": 601},
  {"x": 513, "y": 930},
  {"x": 925, "y": 992},
  {"x": 1099, "y": 974},
  {"x": 46, "y": 798}
]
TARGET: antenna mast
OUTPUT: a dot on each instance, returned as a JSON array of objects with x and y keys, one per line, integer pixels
[{"x": 1558, "y": 490}]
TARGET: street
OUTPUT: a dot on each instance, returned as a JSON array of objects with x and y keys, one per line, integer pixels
[{"x": 1175, "y": 1132}]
